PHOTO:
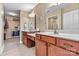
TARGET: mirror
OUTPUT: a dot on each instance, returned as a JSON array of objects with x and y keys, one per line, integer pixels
[{"x": 52, "y": 23}]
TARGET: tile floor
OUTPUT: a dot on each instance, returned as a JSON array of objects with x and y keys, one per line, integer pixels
[{"x": 14, "y": 48}]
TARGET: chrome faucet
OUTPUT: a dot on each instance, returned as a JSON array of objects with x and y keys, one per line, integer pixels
[
  {"x": 55, "y": 25},
  {"x": 55, "y": 31}
]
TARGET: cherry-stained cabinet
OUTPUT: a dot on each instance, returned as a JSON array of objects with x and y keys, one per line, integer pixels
[
  {"x": 57, "y": 51},
  {"x": 54, "y": 46},
  {"x": 24, "y": 38},
  {"x": 28, "y": 40},
  {"x": 48, "y": 39},
  {"x": 41, "y": 48},
  {"x": 68, "y": 44}
]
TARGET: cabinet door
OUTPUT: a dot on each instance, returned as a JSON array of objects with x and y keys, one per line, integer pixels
[
  {"x": 40, "y": 48},
  {"x": 24, "y": 38},
  {"x": 57, "y": 51},
  {"x": 30, "y": 43},
  {"x": 25, "y": 41}
]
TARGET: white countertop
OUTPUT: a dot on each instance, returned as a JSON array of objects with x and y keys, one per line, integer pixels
[
  {"x": 29, "y": 30},
  {"x": 32, "y": 34},
  {"x": 74, "y": 37}
]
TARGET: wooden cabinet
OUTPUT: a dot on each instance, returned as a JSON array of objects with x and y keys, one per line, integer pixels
[
  {"x": 38, "y": 36},
  {"x": 57, "y": 51},
  {"x": 54, "y": 46},
  {"x": 24, "y": 38},
  {"x": 41, "y": 48},
  {"x": 31, "y": 38},
  {"x": 25, "y": 41},
  {"x": 30, "y": 43},
  {"x": 48, "y": 39},
  {"x": 68, "y": 44},
  {"x": 51, "y": 50},
  {"x": 28, "y": 40}
]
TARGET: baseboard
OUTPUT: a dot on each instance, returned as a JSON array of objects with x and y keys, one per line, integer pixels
[{"x": 2, "y": 49}]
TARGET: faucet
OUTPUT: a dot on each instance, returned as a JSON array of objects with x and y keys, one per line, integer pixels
[
  {"x": 55, "y": 25},
  {"x": 55, "y": 28},
  {"x": 55, "y": 31}
]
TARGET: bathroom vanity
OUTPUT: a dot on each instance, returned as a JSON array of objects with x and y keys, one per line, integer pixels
[
  {"x": 28, "y": 38},
  {"x": 50, "y": 44}
]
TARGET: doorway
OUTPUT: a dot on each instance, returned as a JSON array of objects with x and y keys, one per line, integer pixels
[{"x": 12, "y": 27}]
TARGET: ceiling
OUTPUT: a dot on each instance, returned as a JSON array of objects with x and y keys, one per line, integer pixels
[{"x": 16, "y": 7}]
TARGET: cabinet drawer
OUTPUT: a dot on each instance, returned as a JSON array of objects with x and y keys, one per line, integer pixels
[
  {"x": 69, "y": 45},
  {"x": 38, "y": 36},
  {"x": 48, "y": 39},
  {"x": 57, "y": 51}
]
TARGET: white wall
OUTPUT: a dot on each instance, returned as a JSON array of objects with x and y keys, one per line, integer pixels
[
  {"x": 1, "y": 29},
  {"x": 23, "y": 19}
]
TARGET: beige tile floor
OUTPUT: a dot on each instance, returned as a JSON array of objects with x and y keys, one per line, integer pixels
[{"x": 14, "y": 48}]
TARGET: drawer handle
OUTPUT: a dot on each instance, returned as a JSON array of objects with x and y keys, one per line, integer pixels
[{"x": 67, "y": 45}]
